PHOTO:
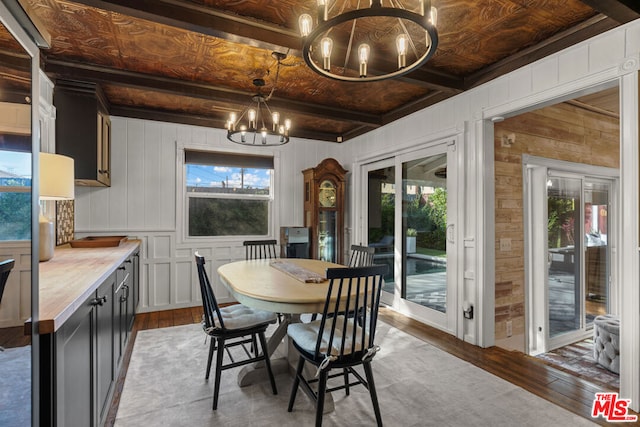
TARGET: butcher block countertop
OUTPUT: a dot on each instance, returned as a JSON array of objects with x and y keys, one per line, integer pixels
[{"x": 72, "y": 276}]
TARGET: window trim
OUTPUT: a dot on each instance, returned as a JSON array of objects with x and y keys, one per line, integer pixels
[{"x": 182, "y": 198}]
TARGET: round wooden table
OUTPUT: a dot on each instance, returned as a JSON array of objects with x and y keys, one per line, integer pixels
[{"x": 258, "y": 284}]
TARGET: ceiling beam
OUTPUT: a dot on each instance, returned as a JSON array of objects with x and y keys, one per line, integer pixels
[
  {"x": 239, "y": 29},
  {"x": 205, "y": 20},
  {"x": 622, "y": 11},
  {"x": 92, "y": 73},
  {"x": 576, "y": 34}
]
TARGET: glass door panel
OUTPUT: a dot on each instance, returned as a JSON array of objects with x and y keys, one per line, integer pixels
[
  {"x": 327, "y": 232},
  {"x": 424, "y": 227},
  {"x": 381, "y": 198},
  {"x": 597, "y": 250},
  {"x": 564, "y": 297}
]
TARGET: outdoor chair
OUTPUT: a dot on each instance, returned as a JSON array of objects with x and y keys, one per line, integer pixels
[
  {"x": 231, "y": 326},
  {"x": 340, "y": 342}
]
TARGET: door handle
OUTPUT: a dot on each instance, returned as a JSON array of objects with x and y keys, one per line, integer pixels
[{"x": 450, "y": 233}]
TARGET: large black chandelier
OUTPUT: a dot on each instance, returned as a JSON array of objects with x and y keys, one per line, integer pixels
[
  {"x": 258, "y": 125},
  {"x": 374, "y": 31}
]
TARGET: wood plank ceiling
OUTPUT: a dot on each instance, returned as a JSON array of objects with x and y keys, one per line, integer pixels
[{"x": 194, "y": 61}]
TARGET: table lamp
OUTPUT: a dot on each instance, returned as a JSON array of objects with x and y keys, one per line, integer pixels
[{"x": 56, "y": 183}]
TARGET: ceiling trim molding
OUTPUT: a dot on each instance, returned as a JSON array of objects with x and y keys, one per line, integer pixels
[
  {"x": 622, "y": 11},
  {"x": 576, "y": 34}
]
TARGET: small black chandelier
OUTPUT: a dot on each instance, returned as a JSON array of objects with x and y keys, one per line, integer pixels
[
  {"x": 257, "y": 125},
  {"x": 409, "y": 25}
]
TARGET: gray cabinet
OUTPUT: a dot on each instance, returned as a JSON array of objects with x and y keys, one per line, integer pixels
[
  {"x": 82, "y": 359},
  {"x": 83, "y": 130},
  {"x": 84, "y": 368},
  {"x": 126, "y": 297}
]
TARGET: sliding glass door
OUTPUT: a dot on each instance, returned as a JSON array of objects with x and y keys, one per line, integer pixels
[{"x": 410, "y": 223}]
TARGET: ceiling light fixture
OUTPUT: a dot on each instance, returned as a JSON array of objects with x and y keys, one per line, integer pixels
[
  {"x": 257, "y": 124},
  {"x": 402, "y": 30}
]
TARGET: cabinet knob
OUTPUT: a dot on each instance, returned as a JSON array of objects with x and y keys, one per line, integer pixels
[{"x": 99, "y": 300}]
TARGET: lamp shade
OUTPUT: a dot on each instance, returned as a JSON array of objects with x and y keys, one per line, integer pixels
[{"x": 56, "y": 177}]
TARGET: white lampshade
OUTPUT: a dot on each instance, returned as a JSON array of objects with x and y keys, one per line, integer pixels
[
  {"x": 56, "y": 183},
  {"x": 56, "y": 177}
]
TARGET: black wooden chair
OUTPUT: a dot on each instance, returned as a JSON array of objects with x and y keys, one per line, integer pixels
[
  {"x": 5, "y": 269},
  {"x": 361, "y": 256},
  {"x": 231, "y": 326},
  {"x": 260, "y": 249},
  {"x": 341, "y": 342}
]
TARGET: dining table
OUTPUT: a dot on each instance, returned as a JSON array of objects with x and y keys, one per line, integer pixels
[{"x": 290, "y": 286}]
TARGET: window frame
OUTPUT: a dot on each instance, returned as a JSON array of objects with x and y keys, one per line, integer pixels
[{"x": 183, "y": 196}]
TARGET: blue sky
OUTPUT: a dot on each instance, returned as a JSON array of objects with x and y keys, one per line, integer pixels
[
  {"x": 213, "y": 176},
  {"x": 15, "y": 162}
]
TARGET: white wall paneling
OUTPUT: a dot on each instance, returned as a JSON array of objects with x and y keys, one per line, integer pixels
[{"x": 15, "y": 307}]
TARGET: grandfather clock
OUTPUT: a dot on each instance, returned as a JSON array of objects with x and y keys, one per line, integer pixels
[{"x": 324, "y": 188}]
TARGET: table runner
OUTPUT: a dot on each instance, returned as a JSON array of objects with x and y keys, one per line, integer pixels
[{"x": 297, "y": 272}]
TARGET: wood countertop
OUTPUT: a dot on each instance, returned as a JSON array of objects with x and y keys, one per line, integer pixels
[{"x": 72, "y": 276}]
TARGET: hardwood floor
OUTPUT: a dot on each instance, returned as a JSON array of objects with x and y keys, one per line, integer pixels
[{"x": 561, "y": 388}]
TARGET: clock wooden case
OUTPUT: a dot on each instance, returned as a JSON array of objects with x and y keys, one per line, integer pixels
[{"x": 324, "y": 195}]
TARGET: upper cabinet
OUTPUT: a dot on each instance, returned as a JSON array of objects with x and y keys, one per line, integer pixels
[{"x": 83, "y": 130}]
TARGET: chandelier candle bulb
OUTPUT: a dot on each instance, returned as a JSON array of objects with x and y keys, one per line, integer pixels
[
  {"x": 401, "y": 44},
  {"x": 306, "y": 24},
  {"x": 327, "y": 46},
  {"x": 363, "y": 55}
]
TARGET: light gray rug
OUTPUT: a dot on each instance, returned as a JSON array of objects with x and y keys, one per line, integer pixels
[
  {"x": 417, "y": 384},
  {"x": 15, "y": 387}
]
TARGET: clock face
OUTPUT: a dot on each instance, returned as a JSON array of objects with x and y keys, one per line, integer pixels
[{"x": 327, "y": 194}]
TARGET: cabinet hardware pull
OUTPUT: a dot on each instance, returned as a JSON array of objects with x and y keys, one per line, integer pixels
[
  {"x": 98, "y": 301},
  {"x": 128, "y": 261},
  {"x": 122, "y": 267}
]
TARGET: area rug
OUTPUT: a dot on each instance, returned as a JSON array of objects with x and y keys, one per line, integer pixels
[
  {"x": 417, "y": 384},
  {"x": 15, "y": 386},
  {"x": 577, "y": 359}
]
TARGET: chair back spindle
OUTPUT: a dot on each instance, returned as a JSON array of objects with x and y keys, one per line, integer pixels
[
  {"x": 260, "y": 249},
  {"x": 361, "y": 256}
]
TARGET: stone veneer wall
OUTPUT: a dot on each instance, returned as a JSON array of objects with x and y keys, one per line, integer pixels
[{"x": 563, "y": 132}]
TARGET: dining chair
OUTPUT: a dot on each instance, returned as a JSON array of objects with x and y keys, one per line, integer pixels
[
  {"x": 339, "y": 341},
  {"x": 260, "y": 249},
  {"x": 361, "y": 256},
  {"x": 5, "y": 269},
  {"x": 231, "y": 326}
]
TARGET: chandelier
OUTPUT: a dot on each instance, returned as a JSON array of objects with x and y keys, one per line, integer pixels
[
  {"x": 329, "y": 40},
  {"x": 257, "y": 124}
]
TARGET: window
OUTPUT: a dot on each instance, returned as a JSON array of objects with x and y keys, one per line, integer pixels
[
  {"x": 228, "y": 194},
  {"x": 15, "y": 187}
]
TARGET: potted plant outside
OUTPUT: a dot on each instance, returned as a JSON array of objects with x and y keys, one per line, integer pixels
[{"x": 411, "y": 240}]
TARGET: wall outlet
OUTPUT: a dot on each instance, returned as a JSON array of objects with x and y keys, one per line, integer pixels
[
  {"x": 509, "y": 328},
  {"x": 505, "y": 245}
]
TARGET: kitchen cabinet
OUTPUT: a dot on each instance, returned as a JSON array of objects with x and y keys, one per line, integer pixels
[
  {"x": 86, "y": 314},
  {"x": 324, "y": 195},
  {"x": 83, "y": 130},
  {"x": 83, "y": 361},
  {"x": 126, "y": 292}
]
